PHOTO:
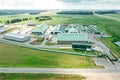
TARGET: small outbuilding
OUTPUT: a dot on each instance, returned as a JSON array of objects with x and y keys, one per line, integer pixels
[
  {"x": 31, "y": 24},
  {"x": 16, "y": 37}
]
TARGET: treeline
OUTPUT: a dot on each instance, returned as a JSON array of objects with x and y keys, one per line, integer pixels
[
  {"x": 34, "y": 13},
  {"x": 42, "y": 18},
  {"x": 76, "y": 12},
  {"x": 13, "y": 12},
  {"x": 15, "y": 20},
  {"x": 107, "y": 12}
]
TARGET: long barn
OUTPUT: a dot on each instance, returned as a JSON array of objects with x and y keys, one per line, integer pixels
[
  {"x": 16, "y": 37},
  {"x": 69, "y": 38},
  {"x": 40, "y": 29}
]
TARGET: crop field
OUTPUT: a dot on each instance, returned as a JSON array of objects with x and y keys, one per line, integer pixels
[{"x": 30, "y": 76}]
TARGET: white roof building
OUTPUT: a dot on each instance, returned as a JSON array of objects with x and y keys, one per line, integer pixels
[
  {"x": 16, "y": 37},
  {"x": 1, "y": 25}
]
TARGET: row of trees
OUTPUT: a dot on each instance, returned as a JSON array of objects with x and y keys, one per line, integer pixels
[
  {"x": 15, "y": 20},
  {"x": 42, "y": 18},
  {"x": 14, "y": 12},
  {"x": 76, "y": 12},
  {"x": 89, "y": 12},
  {"x": 106, "y": 12}
]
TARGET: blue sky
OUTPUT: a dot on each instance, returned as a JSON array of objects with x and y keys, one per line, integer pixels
[{"x": 59, "y": 4}]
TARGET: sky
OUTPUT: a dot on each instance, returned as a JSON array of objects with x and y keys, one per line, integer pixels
[{"x": 59, "y": 4}]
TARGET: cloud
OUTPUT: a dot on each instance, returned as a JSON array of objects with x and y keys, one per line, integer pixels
[
  {"x": 71, "y": 1},
  {"x": 91, "y": 4},
  {"x": 90, "y": 1},
  {"x": 31, "y": 4},
  {"x": 59, "y": 4}
]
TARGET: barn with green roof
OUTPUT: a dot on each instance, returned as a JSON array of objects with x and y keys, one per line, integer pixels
[
  {"x": 69, "y": 38},
  {"x": 40, "y": 29}
]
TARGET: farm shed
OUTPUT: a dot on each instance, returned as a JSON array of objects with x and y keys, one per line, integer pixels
[
  {"x": 59, "y": 29},
  {"x": 81, "y": 46},
  {"x": 40, "y": 29},
  {"x": 117, "y": 43},
  {"x": 69, "y": 38},
  {"x": 16, "y": 37},
  {"x": 73, "y": 29},
  {"x": 1, "y": 25},
  {"x": 5, "y": 28},
  {"x": 31, "y": 24}
]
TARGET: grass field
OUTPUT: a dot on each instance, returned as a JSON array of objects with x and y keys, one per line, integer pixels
[
  {"x": 109, "y": 42},
  {"x": 114, "y": 15},
  {"x": 13, "y": 56},
  {"x": 30, "y": 76}
]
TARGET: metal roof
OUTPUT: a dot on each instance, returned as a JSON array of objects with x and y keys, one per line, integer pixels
[
  {"x": 60, "y": 28},
  {"x": 5, "y": 28},
  {"x": 1, "y": 24},
  {"x": 72, "y": 37},
  {"x": 16, "y": 35},
  {"x": 117, "y": 43},
  {"x": 31, "y": 23},
  {"x": 41, "y": 28},
  {"x": 82, "y": 44}
]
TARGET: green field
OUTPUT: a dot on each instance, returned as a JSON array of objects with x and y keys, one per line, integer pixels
[
  {"x": 114, "y": 15},
  {"x": 14, "y": 56},
  {"x": 30, "y": 76},
  {"x": 109, "y": 42}
]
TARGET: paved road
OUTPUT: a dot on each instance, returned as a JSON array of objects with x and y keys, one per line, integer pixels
[
  {"x": 104, "y": 48},
  {"x": 57, "y": 70}
]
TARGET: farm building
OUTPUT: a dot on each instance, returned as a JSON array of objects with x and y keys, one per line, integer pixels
[
  {"x": 117, "y": 43},
  {"x": 1, "y": 25},
  {"x": 59, "y": 29},
  {"x": 81, "y": 46},
  {"x": 31, "y": 24},
  {"x": 69, "y": 38},
  {"x": 16, "y": 37},
  {"x": 39, "y": 30},
  {"x": 73, "y": 29},
  {"x": 5, "y": 28}
]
